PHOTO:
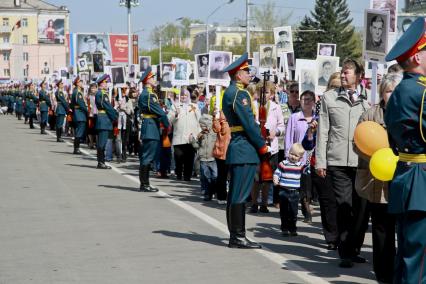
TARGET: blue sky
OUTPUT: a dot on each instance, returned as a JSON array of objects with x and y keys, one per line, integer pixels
[{"x": 107, "y": 16}]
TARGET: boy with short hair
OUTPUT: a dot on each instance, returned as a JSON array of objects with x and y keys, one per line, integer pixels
[{"x": 287, "y": 178}]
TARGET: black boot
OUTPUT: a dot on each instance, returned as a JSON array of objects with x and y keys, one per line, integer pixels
[
  {"x": 101, "y": 160},
  {"x": 306, "y": 211},
  {"x": 77, "y": 146},
  {"x": 144, "y": 179},
  {"x": 237, "y": 228},
  {"x": 43, "y": 128},
  {"x": 59, "y": 134}
]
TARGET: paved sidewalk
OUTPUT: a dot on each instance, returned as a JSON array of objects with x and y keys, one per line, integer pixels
[{"x": 64, "y": 221}]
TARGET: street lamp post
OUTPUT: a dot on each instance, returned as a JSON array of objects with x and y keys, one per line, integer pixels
[
  {"x": 129, "y": 4},
  {"x": 207, "y": 22}
]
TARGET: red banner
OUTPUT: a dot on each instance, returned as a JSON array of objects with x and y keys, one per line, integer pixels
[{"x": 119, "y": 48}]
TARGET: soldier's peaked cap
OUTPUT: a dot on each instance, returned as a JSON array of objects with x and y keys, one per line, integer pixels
[
  {"x": 103, "y": 78},
  {"x": 240, "y": 64},
  {"x": 146, "y": 75},
  {"x": 411, "y": 42}
]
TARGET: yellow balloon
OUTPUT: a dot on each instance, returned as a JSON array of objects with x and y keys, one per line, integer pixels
[{"x": 383, "y": 164}]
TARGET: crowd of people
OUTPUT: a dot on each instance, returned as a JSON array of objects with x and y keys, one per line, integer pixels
[{"x": 304, "y": 132}]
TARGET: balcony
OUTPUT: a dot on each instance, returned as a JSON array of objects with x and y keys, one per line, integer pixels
[
  {"x": 5, "y": 46},
  {"x": 5, "y": 29}
]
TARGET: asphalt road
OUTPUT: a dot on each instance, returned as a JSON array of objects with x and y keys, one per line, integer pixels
[{"x": 64, "y": 221}]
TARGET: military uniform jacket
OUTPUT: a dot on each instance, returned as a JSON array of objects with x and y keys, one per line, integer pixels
[
  {"x": 44, "y": 101},
  {"x": 63, "y": 106},
  {"x": 152, "y": 114},
  {"x": 79, "y": 106},
  {"x": 244, "y": 145},
  {"x": 405, "y": 124},
  {"x": 31, "y": 102},
  {"x": 19, "y": 103},
  {"x": 106, "y": 113}
]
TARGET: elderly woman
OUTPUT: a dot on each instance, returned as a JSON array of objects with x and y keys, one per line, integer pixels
[
  {"x": 376, "y": 192},
  {"x": 184, "y": 115}
]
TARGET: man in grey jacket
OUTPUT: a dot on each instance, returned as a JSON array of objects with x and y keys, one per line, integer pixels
[{"x": 336, "y": 158}]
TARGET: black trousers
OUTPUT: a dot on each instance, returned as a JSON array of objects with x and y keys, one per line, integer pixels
[
  {"x": 222, "y": 177},
  {"x": 383, "y": 229},
  {"x": 184, "y": 160},
  {"x": 352, "y": 213},
  {"x": 328, "y": 207}
]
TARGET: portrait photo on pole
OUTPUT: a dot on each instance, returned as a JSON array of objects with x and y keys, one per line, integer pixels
[
  {"x": 307, "y": 80},
  {"x": 181, "y": 72},
  {"x": 98, "y": 62},
  {"x": 192, "y": 73},
  {"x": 144, "y": 62},
  {"x": 268, "y": 56},
  {"x": 63, "y": 73},
  {"x": 51, "y": 29},
  {"x": 291, "y": 61},
  {"x": 167, "y": 74},
  {"x": 117, "y": 75},
  {"x": 326, "y": 49},
  {"x": 202, "y": 65},
  {"x": 283, "y": 39},
  {"x": 326, "y": 66},
  {"x": 133, "y": 71},
  {"x": 82, "y": 64},
  {"x": 91, "y": 43},
  {"x": 404, "y": 22},
  {"x": 387, "y": 5},
  {"x": 218, "y": 61},
  {"x": 376, "y": 34},
  {"x": 85, "y": 77}
]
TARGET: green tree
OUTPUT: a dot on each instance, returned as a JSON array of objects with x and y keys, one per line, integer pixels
[
  {"x": 167, "y": 52},
  {"x": 267, "y": 16},
  {"x": 172, "y": 32},
  {"x": 332, "y": 17}
]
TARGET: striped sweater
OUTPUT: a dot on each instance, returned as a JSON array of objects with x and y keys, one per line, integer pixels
[{"x": 288, "y": 174}]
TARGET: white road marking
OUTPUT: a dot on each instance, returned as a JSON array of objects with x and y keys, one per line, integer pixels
[{"x": 267, "y": 253}]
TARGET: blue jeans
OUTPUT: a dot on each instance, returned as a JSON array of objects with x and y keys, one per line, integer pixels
[
  {"x": 208, "y": 175},
  {"x": 289, "y": 200},
  {"x": 108, "y": 150}
]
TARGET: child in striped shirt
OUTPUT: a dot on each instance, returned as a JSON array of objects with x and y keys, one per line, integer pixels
[{"x": 287, "y": 178}]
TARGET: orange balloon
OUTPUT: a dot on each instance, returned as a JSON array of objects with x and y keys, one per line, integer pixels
[{"x": 370, "y": 136}]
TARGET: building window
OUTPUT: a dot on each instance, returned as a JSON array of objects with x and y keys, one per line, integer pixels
[
  {"x": 24, "y": 22},
  {"x": 6, "y": 56},
  {"x": 25, "y": 72},
  {"x": 5, "y": 22},
  {"x": 5, "y": 39},
  {"x": 6, "y": 72},
  {"x": 25, "y": 56},
  {"x": 25, "y": 39}
]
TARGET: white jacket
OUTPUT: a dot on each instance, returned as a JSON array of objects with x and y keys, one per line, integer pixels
[{"x": 184, "y": 118}]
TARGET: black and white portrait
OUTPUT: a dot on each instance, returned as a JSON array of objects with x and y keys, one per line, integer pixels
[
  {"x": 326, "y": 49},
  {"x": 167, "y": 76},
  {"x": 290, "y": 61},
  {"x": 117, "y": 75},
  {"x": 133, "y": 71},
  {"x": 307, "y": 79},
  {"x": 326, "y": 67},
  {"x": 404, "y": 22},
  {"x": 202, "y": 61},
  {"x": 91, "y": 43},
  {"x": 82, "y": 64},
  {"x": 192, "y": 73},
  {"x": 85, "y": 77},
  {"x": 376, "y": 32},
  {"x": 181, "y": 72},
  {"x": 144, "y": 62},
  {"x": 268, "y": 56},
  {"x": 387, "y": 5},
  {"x": 283, "y": 39},
  {"x": 64, "y": 73},
  {"x": 98, "y": 62},
  {"x": 218, "y": 61}
]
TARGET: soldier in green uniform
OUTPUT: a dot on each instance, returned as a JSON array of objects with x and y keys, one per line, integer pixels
[
  {"x": 44, "y": 104},
  {"x": 152, "y": 115},
  {"x": 11, "y": 100},
  {"x": 243, "y": 151},
  {"x": 106, "y": 116},
  {"x": 62, "y": 108},
  {"x": 79, "y": 107},
  {"x": 31, "y": 100},
  {"x": 405, "y": 118},
  {"x": 19, "y": 104}
]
